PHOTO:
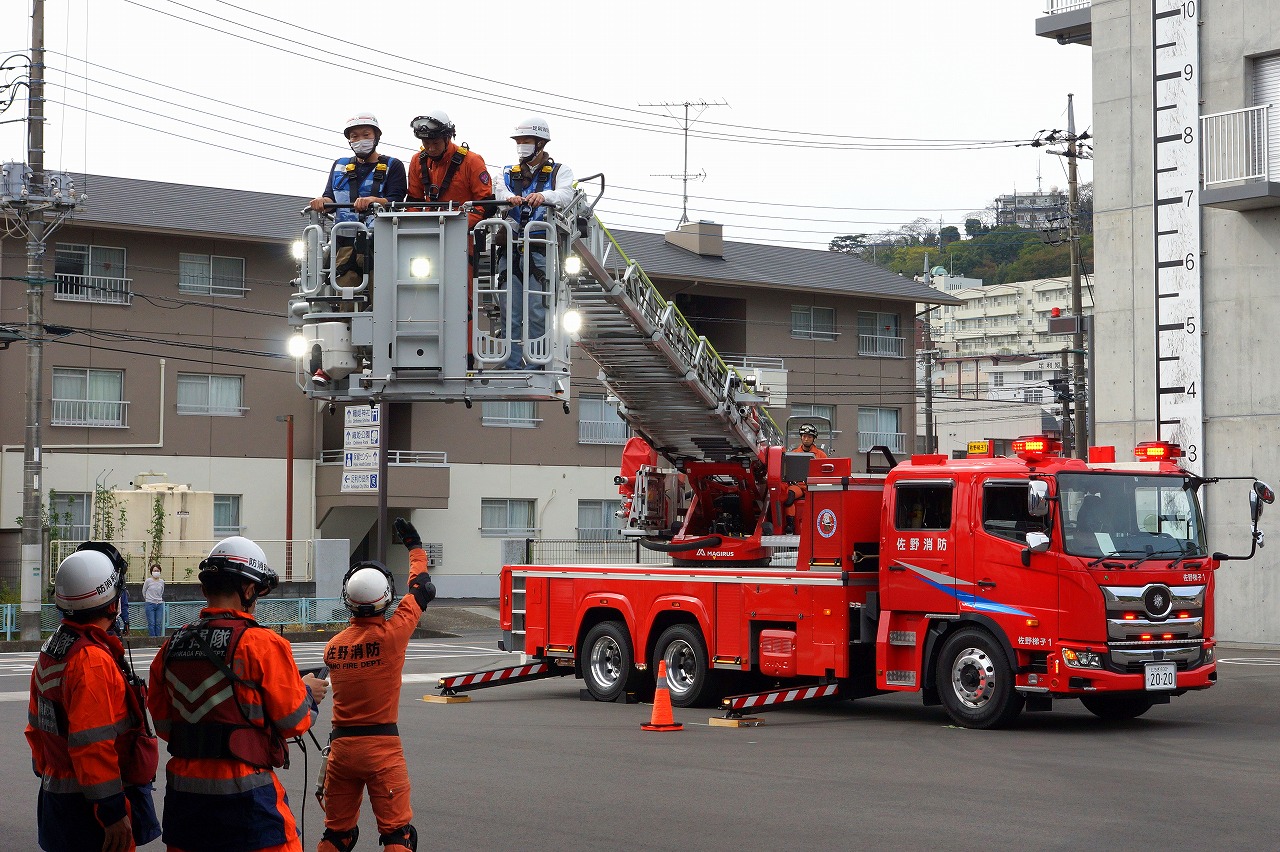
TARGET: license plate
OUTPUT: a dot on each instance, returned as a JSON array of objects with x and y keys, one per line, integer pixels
[{"x": 1162, "y": 676}]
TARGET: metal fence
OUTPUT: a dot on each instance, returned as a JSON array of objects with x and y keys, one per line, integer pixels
[
  {"x": 1235, "y": 145},
  {"x": 180, "y": 561},
  {"x": 544, "y": 551},
  {"x": 299, "y": 613}
]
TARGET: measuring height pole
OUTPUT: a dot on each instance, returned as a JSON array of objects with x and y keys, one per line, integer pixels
[{"x": 1179, "y": 366}]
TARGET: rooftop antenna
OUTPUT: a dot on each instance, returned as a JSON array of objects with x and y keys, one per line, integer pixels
[{"x": 685, "y": 124}]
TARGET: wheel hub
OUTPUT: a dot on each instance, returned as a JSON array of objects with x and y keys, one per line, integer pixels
[
  {"x": 606, "y": 661},
  {"x": 973, "y": 677},
  {"x": 681, "y": 666}
]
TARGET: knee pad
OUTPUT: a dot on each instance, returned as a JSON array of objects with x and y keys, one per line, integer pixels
[
  {"x": 343, "y": 841},
  {"x": 405, "y": 835}
]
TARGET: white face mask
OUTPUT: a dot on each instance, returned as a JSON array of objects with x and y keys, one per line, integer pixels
[
  {"x": 363, "y": 147},
  {"x": 155, "y": 574},
  {"x": 524, "y": 150}
]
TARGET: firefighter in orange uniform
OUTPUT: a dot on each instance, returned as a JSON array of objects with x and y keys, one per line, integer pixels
[
  {"x": 443, "y": 171},
  {"x": 226, "y": 694},
  {"x": 86, "y": 723},
  {"x": 797, "y": 490},
  {"x": 365, "y": 663}
]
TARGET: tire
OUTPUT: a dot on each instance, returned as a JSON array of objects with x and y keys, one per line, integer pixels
[
  {"x": 608, "y": 661},
  {"x": 975, "y": 681},
  {"x": 690, "y": 679},
  {"x": 1117, "y": 708}
]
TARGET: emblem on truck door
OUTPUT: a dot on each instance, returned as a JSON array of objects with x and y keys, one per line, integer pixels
[{"x": 827, "y": 523}]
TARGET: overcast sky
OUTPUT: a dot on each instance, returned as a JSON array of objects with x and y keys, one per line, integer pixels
[{"x": 839, "y": 105}]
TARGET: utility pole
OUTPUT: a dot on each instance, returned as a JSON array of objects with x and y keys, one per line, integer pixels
[
  {"x": 38, "y": 206},
  {"x": 1077, "y": 340},
  {"x": 684, "y": 176}
]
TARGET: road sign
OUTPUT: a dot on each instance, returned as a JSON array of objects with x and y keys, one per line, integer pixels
[
  {"x": 1064, "y": 325},
  {"x": 360, "y": 415},
  {"x": 1179, "y": 316},
  {"x": 361, "y": 437},
  {"x": 360, "y": 481},
  {"x": 360, "y": 460}
]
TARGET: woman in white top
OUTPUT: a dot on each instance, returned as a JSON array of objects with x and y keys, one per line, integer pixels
[{"x": 153, "y": 595}]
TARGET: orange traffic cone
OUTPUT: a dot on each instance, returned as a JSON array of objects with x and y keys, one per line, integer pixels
[{"x": 661, "y": 719}]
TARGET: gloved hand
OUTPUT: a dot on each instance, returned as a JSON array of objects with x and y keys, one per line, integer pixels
[
  {"x": 422, "y": 589},
  {"x": 408, "y": 535}
]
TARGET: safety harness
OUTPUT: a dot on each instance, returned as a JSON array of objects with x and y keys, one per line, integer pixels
[
  {"x": 431, "y": 190},
  {"x": 212, "y": 729}
]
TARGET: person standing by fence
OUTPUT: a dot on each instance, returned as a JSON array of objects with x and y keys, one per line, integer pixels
[{"x": 153, "y": 597}]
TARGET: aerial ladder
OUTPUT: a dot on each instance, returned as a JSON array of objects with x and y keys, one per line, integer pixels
[{"x": 432, "y": 323}]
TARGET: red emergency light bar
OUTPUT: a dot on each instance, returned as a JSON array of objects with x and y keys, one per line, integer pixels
[
  {"x": 1157, "y": 451},
  {"x": 1035, "y": 448}
]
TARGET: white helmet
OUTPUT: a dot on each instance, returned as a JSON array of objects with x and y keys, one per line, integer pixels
[
  {"x": 535, "y": 126},
  {"x": 433, "y": 125},
  {"x": 240, "y": 556},
  {"x": 89, "y": 579},
  {"x": 367, "y": 589},
  {"x": 362, "y": 119}
]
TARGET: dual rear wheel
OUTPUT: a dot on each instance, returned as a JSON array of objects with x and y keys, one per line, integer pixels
[{"x": 608, "y": 663}]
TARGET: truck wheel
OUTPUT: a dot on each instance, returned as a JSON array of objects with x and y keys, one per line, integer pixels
[
  {"x": 689, "y": 676},
  {"x": 1117, "y": 708},
  {"x": 607, "y": 661},
  {"x": 975, "y": 681}
]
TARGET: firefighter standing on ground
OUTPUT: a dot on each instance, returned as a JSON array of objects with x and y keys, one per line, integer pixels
[
  {"x": 534, "y": 181},
  {"x": 85, "y": 718},
  {"x": 226, "y": 694},
  {"x": 365, "y": 663},
  {"x": 797, "y": 490}
]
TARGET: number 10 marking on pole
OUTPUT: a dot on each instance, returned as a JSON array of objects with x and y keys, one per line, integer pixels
[{"x": 1175, "y": 73}]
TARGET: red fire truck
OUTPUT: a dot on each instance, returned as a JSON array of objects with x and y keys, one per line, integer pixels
[{"x": 986, "y": 584}]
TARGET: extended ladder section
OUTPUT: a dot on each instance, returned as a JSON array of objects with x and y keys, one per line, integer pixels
[{"x": 673, "y": 387}]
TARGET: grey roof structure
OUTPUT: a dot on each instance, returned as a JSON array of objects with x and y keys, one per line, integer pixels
[
  {"x": 813, "y": 270},
  {"x": 266, "y": 217},
  {"x": 186, "y": 209}
]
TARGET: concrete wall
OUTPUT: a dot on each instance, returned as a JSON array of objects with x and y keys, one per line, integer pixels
[{"x": 1241, "y": 259}]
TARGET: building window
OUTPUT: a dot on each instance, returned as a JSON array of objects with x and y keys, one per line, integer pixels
[
  {"x": 1033, "y": 395},
  {"x": 226, "y": 515},
  {"x": 219, "y": 396},
  {"x": 997, "y": 380},
  {"x": 880, "y": 335},
  {"x": 210, "y": 275},
  {"x": 505, "y": 518},
  {"x": 1031, "y": 375},
  {"x": 520, "y": 414},
  {"x": 598, "y": 520},
  {"x": 823, "y": 414},
  {"x": 600, "y": 423},
  {"x": 90, "y": 274},
  {"x": 813, "y": 323},
  {"x": 88, "y": 398},
  {"x": 878, "y": 427},
  {"x": 69, "y": 514}
]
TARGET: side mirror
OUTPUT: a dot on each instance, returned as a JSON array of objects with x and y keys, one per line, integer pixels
[
  {"x": 1038, "y": 500},
  {"x": 1260, "y": 495},
  {"x": 1037, "y": 542}
]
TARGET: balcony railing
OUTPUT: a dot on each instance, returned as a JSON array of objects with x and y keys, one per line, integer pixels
[
  {"x": 89, "y": 412},
  {"x": 1057, "y": 7},
  {"x": 879, "y": 346},
  {"x": 426, "y": 458},
  {"x": 895, "y": 441},
  {"x": 212, "y": 410},
  {"x": 603, "y": 432},
  {"x": 92, "y": 288},
  {"x": 1234, "y": 146}
]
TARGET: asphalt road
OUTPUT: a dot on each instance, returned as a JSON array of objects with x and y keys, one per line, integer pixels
[{"x": 530, "y": 766}]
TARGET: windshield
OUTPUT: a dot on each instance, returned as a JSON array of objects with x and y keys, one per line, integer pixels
[{"x": 1131, "y": 516}]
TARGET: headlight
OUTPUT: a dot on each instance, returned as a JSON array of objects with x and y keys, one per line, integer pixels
[
  {"x": 297, "y": 346},
  {"x": 572, "y": 322},
  {"x": 1208, "y": 656},
  {"x": 420, "y": 267},
  {"x": 1081, "y": 659},
  {"x": 298, "y": 249},
  {"x": 572, "y": 265}
]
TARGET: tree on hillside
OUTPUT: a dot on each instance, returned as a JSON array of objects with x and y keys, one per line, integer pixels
[
  {"x": 948, "y": 235},
  {"x": 849, "y": 244}
]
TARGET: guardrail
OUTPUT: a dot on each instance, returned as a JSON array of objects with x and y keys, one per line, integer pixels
[
  {"x": 1234, "y": 145},
  {"x": 302, "y": 613}
]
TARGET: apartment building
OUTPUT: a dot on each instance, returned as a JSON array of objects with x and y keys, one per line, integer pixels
[
  {"x": 172, "y": 368},
  {"x": 1230, "y": 153}
]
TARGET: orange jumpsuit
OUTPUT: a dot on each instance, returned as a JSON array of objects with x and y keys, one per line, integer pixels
[
  {"x": 223, "y": 804},
  {"x": 77, "y": 718},
  {"x": 800, "y": 489},
  {"x": 471, "y": 181},
  {"x": 365, "y": 664}
]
